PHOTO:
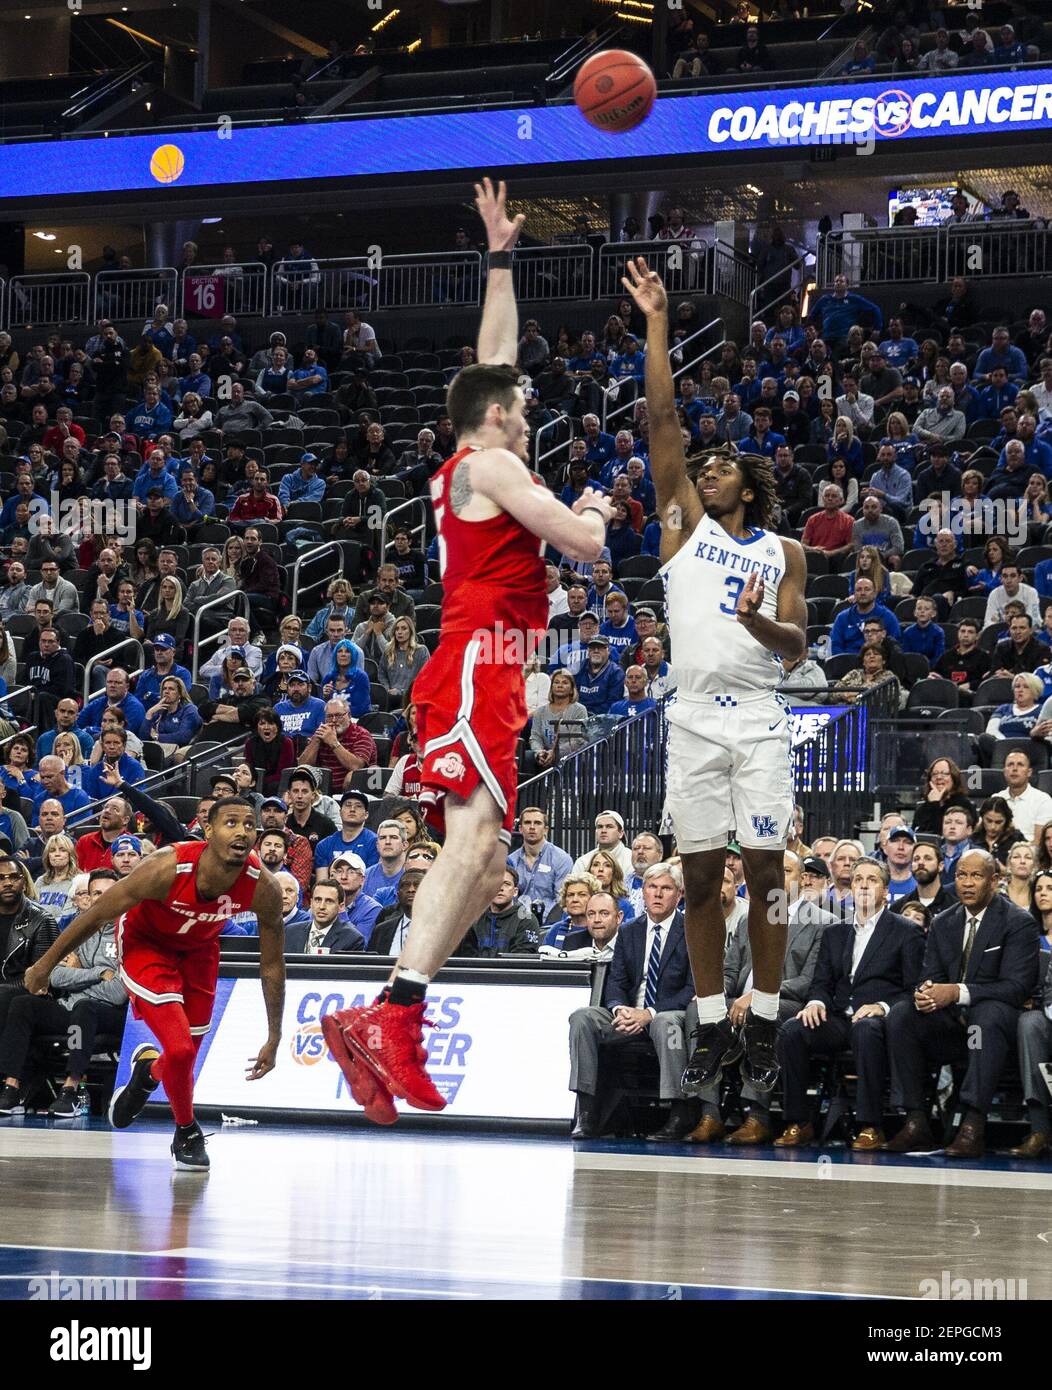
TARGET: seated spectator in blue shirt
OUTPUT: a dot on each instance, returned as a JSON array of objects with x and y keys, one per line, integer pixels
[
  {"x": 571, "y": 913},
  {"x": 775, "y": 364},
  {"x": 652, "y": 539},
  {"x": 578, "y": 480},
  {"x": 846, "y": 635},
  {"x": 53, "y": 786},
  {"x": 623, "y": 541},
  {"x": 861, "y": 61},
  {"x": 618, "y": 627},
  {"x": 1043, "y": 578},
  {"x": 117, "y": 695},
  {"x": 303, "y": 484},
  {"x": 587, "y": 357},
  {"x": 1001, "y": 353},
  {"x": 600, "y": 682},
  {"x": 301, "y": 713},
  {"x": 151, "y": 416},
  {"x": 1037, "y": 453},
  {"x": 630, "y": 364},
  {"x": 897, "y": 350},
  {"x": 623, "y": 451},
  {"x": 997, "y": 396},
  {"x": 1009, "y": 50},
  {"x": 1017, "y": 718},
  {"x": 892, "y": 484},
  {"x": 902, "y": 440},
  {"x": 924, "y": 635},
  {"x": 636, "y": 699},
  {"x": 196, "y": 379},
  {"x": 103, "y": 779},
  {"x": 965, "y": 398},
  {"x": 154, "y": 473},
  {"x": 761, "y": 438},
  {"x": 310, "y": 378},
  {"x": 571, "y": 655},
  {"x": 642, "y": 488},
  {"x": 347, "y": 679},
  {"x": 599, "y": 445},
  {"x": 540, "y": 865},
  {"x": 192, "y": 504},
  {"x": 353, "y": 837}
]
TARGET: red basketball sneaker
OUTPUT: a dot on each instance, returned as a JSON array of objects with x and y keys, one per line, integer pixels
[
  {"x": 368, "y": 1092},
  {"x": 388, "y": 1040}
]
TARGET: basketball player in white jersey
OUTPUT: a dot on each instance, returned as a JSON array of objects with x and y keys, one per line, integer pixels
[{"x": 735, "y": 606}]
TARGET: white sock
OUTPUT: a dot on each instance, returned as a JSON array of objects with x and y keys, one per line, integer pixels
[
  {"x": 712, "y": 1008},
  {"x": 764, "y": 1005}
]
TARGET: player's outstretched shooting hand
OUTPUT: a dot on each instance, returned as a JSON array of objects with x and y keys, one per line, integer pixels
[
  {"x": 502, "y": 231},
  {"x": 645, "y": 287},
  {"x": 259, "y": 1066},
  {"x": 749, "y": 600},
  {"x": 592, "y": 498}
]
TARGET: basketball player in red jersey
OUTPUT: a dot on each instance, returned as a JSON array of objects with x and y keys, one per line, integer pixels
[
  {"x": 493, "y": 519},
  {"x": 169, "y": 913}
]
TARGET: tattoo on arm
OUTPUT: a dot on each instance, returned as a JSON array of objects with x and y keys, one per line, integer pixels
[{"x": 460, "y": 491}]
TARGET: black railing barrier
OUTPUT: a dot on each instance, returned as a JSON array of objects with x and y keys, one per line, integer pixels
[{"x": 624, "y": 771}]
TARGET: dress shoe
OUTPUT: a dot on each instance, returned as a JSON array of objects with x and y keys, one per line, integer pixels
[
  {"x": 586, "y": 1125},
  {"x": 1033, "y": 1146},
  {"x": 967, "y": 1142},
  {"x": 680, "y": 1122},
  {"x": 751, "y": 1132},
  {"x": 709, "y": 1131},
  {"x": 714, "y": 1047},
  {"x": 795, "y": 1137},
  {"x": 914, "y": 1135},
  {"x": 868, "y": 1139}
]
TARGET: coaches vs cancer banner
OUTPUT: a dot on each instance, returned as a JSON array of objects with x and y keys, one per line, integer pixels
[
  {"x": 731, "y": 123},
  {"x": 497, "y": 1050}
]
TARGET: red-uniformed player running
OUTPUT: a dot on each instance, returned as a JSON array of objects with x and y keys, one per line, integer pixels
[
  {"x": 169, "y": 912},
  {"x": 493, "y": 521}
]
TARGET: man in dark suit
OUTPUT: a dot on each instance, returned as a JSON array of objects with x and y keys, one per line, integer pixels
[
  {"x": 649, "y": 991},
  {"x": 806, "y": 921},
  {"x": 980, "y": 968},
  {"x": 866, "y": 966},
  {"x": 324, "y": 934}
]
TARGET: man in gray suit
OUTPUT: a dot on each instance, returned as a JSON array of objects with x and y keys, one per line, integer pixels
[
  {"x": 1035, "y": 1046},
  {"x": 806, "y": 923}
]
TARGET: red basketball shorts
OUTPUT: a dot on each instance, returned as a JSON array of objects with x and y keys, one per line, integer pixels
[
  {"x": 471, "y": 712},
  {"x": 156, "y": 973}
]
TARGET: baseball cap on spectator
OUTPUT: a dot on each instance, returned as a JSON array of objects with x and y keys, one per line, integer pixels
[
  {"x": 646, "y": 613},
  {"x": 5, "y": 844},
  {"x": 304, "y": 771},
  {"x": 237, "y": 651},
  {"x": 309, "y": 458},
  {"x": 155, "y": 492},
  {"x": 903, "y": 830},
  {"x": 599, "y": 640},
  {"x": 123, "y": 842},
  {"x": 612, "y": 815},
  {"x": 223, "y": 777},
  {"x": 814, "y": 864},
  {"x": 911, "y": 381},
  {"x": 299, "y": 675},
  {"x": 943, "y": 450},
  {"x": 358, "y": 796},
  {"x": 354, "y": 861},
  {"x": 733, "y": 847},
  {"x": 272, "y": 801},
  {"x": 791, "y": 396},
  {"x": 242, "y": 674},
  {"x": 163, "y": 639}
]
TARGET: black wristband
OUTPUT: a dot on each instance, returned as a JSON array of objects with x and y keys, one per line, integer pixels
[
  {"x": 499, "y": 260},
  {"x": 593, "y": 509}
]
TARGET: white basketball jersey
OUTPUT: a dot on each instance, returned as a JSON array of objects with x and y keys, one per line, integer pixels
[{"x": 713, "y": 653}]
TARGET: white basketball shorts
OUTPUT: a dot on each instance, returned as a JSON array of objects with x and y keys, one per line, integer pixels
[{"x": 729, "y": 772}]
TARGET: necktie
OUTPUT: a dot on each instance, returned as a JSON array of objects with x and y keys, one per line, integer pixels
[
  {"x": 969, "y": 942},
  {"x": 653, "y": 966}
]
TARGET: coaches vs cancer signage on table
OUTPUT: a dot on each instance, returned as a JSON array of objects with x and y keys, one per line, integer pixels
[{"x": 497, "y": 1050}]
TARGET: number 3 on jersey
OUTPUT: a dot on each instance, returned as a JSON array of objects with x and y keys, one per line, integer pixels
[{"x": 734, "y": 593}]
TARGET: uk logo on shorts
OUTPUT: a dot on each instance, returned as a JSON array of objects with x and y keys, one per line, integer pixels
[
  {"x": 451, "y": 766},
  {"x": 765, "y": 826}
]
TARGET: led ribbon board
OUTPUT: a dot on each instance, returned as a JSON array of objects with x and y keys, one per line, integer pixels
[{"x": 891, "y": 109}]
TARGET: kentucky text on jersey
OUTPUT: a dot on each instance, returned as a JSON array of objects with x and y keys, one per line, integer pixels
[{"x": 744, "y": 564}]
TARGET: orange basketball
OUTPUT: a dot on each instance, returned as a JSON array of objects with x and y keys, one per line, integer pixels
[{"x": 615, "y": 90}]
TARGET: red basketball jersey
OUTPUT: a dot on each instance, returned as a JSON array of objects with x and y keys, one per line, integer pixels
[
  {"x": 185, "y": 915},
  {"x": 492, "y": 571}
]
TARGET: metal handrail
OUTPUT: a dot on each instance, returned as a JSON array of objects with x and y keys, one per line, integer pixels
[
  {"x": 407, "y": 505},
  {"x": 314, "y": 553},
  {"x": 539, "y": 458},
  {"x": 99, "y": 657},
  {"x": 754, "y": 299},
  {"x": 216, "y": 637},
  {"x": 607, "y": 414},
  {"x": 152, "y": 781}
]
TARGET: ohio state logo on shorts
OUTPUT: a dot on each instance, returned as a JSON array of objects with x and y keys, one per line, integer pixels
[{"x": 450, "y": 765}]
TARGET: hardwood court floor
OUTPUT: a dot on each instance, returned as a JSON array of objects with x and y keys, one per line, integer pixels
[{"x": 295, "y": 1211}]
